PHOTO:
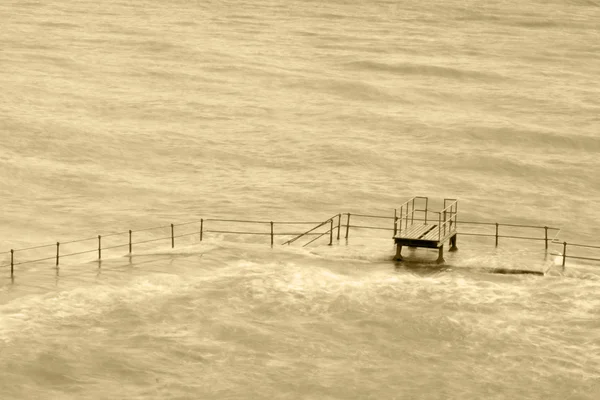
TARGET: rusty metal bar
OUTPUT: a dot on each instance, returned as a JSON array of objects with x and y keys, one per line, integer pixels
[
  {"x": 496, "y": 234},
  {"x": 272, "y": 234},
  {"x": 172, "y": 236},
  {"x": 400, "y": 225},
  {"x": 99, "y": 247},
  {"x": 348, "y": 226},
  {"x": 331, "y": 232}
]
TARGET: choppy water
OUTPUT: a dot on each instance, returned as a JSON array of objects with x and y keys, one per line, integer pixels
[{"x": 123, "y": 115}]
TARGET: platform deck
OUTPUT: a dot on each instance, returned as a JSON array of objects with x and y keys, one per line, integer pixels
[
  {"x": 423, "y": 235},
  {"x": 411, "y": 232}
]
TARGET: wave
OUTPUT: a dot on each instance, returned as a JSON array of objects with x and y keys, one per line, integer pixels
[{"x": 425, "y": 70}]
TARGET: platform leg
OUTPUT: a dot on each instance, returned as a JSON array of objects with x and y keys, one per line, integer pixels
[
  {"x": 398, "y": 256},
  {"x": 453, "y": 244},
  {"x": 440, "y": 254}
]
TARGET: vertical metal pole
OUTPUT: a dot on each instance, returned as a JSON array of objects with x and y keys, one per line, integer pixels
[
  {"x": 57, "y": 252},
  {"x": 496, "y": 234},
  {"x": 395, "y": 222},
  {"x": 445, "y": 219},
  {"x": 426, "y": 208},
  {"x": 339, "y": 225},
  {"x": 439, "y": 226},
  {"x": 172, "y": 236},
  {"x": 455, "y": 214},
  {"x": 130, "y": 244},
  {"x": 546, "y": 236},
  {"x": 271, "y": 233},
  {"x": 347, "y": 225},
  {"x": 331, "y": 231},
  {"x": 564, "y": 255},
  {"x": 412, "y": 216},
  {"x": 201, "y": 227},
  {"x": 99, "y": 247},
  {"x": 12, "y": 263},
  {"x": 400, "y": 224}
]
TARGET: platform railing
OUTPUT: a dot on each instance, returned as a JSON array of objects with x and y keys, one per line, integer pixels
[
  {"x": 447, "y": 218},
  {"x": 547, "y": 234},
  {"x": 404, "y": 216}
]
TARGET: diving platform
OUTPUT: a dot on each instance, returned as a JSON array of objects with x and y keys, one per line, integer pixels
[{"x": 417, "y": 226}]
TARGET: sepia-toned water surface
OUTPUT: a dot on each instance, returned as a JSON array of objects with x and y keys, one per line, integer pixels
[{"x": 121, "y": 115}]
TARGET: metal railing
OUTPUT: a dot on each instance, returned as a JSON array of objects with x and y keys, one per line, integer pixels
[
  {"x": 330, "y": 231},
  {"x": 407, "y": 213},
  {"x": 126, "y": 239},
  {"x": 547, "y": 234},
  {"x": 446, "y": 218},
  {"x": 564, "y": 254}
]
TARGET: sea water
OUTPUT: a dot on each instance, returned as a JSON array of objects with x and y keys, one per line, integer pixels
[{"x": 121, "y": 115}]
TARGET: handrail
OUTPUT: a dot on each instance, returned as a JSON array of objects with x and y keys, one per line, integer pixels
[
  {"x": 44, "y": 256},
  {"x": 452, "y": 209},
  {"x": 546, "y": 238},
  {"x": 461, "y": 221},
  {"x": 449, "y": 214},
  {"x": 407, "y": 213},
  {"x": 330, "y": 220}
]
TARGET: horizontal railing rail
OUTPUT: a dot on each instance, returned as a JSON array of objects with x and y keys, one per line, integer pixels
[
  {"x": 549, "y": 235},
  {"x": 319, "y": 225},
  {"x": 26, "y": 256}
]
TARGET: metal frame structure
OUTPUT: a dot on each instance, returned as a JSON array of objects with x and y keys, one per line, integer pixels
[
  {"x": 413, "y": 216},
  {"x": 431, "y": 233}
]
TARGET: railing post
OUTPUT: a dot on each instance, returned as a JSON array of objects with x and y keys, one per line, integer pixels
[
  {"x": 546, "y": 236},
  {"x": 564, "y": 255},
  {"x": 99, "y": 247},
  {"x": 201, "y": 227},
  {"x": 439, "y": 226},
  {"x": 496, "y": 234},
  {"x": 395, "y": 222},
  {"x": 412, "y": 216},
  {"x": 331, "y": 231},
  {"x": 455, "y": 215},
  {"x": 172, "y": 236},
  {"x": 272, "y": 234},
  {"x": 57, "y": 252},
  {"x": 401, "y": 216},
  {"x": 445, "y": 219},
  {"x": 130, "y": 244},
  {"x": 347, "y": 225},
  {"x": 426, "y": 208},
  {"x": 12, "y": 263},
  {"x": 339, "y": 225}
]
